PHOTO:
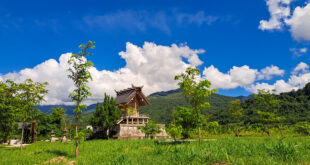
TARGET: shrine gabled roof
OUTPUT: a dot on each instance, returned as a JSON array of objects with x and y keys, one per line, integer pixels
[{"x": 125, "y": 96}]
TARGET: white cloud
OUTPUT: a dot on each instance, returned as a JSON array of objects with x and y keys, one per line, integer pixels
[
  {"x": 303, "y": 67},
  {"x": 268, "y": 72},
  {"x": 279, "y": 10},
  {"x": 279, "y": 86},
  {"x": 280, "y": 15},
  {"x": 298, "y": 52},
  {"x": 294, "y": 82},
  {"x": 153, "y": 66},
  {"x": 237, "y": 76},
  {"x": 303, "y": 50},
  {"x": 300, "y": 23}
]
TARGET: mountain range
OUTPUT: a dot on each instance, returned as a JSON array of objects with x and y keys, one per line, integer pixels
[{"x": 161, "y": 105}]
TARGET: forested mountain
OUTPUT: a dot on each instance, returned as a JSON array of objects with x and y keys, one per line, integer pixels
[
  {"x": 295, "y": 106},
  {"x": 69, "y": 108},
  {"x": 162, "y": 104}
]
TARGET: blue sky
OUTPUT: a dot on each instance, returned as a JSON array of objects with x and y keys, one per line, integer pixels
[{"x": 228, "y": 31}]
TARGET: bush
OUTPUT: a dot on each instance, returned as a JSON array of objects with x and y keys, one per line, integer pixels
[
  {"x": 212, "y": 127},
  {"x": 302, "y": 128}
]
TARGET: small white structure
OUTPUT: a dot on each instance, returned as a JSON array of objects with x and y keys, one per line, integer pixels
[{"x": 90, "y": 127}]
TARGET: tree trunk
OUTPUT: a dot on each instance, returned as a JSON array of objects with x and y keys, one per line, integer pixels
[
  {"x": 280, "y": 129},
  {"x": 237, "y": 132},
  {"x": 22, "y": 138},
  {"x": 198, "y": 122},
  {"x": 5, "y": 139},
  {"x": 76, "y": 142},
  {"x": 268, "y": 131},
  {"x": 199, "y": 134},
  {"x": 108, "y": 133},
  {"x": 76, "y": 150},
  {"x": 33, "y": 131}
]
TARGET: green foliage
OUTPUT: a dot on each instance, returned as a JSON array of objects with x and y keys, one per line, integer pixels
[
  {"x": 80, "y": 75},
  {"x": 212, "y": 127},
  {"x": 175, "y": 131},
  {"x": 106, "y": 114},
  {"x": 58, "y": 115},
  {"x": 195, "y": 92},
  {"x": 150, "y": 129},
  {"x": 31, "y": 94},
  {"x": 186, "y": 119},
  {"x": 267, "y": 106},
  {"x": 8, "y": 109},
  {"x": 302, "y": 127},
  {"x": 162, "y": 103},
  {"x": 79, "y": 137},
  {"x": 236, "y": 112}
]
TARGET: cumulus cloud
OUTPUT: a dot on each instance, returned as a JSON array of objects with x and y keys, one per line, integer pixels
[
  {"x": 151, "y": 65},
  {"x": 279, "y": 86},
  {"x": 301, "y": 67},
  {"x": 300, "y": 23},
  {"x": 294, "y": 82},
  {"x": 270, "y": 71},
  {"x": 280, "y": 15},
  {"x": 279, "y": 10},
  {"x": 237, "y": 76}
]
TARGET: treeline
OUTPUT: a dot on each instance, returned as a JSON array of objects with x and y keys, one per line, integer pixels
[
  {"x": 19, "y": 117},
  {"x": 264, "y": 112}
]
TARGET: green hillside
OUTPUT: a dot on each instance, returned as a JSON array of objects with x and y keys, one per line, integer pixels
[{"x": 162, "y": 104}]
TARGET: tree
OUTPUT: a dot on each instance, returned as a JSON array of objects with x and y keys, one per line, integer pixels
[
  {"x": 186, "y": 119},
  {"x": 174, "y": 130},
  {"x": 267, "y": 106},
  {"x": 106, "y": 114},
  {"x": 80, "y": 75},
  {"x": 31, "y": 94},
  {"x": 8, "y": 108},
  {"x": 58, "y": 115},
  {"x": 195, "y": 92},
  {"x": 236, "y": 112},
  {"x": 150, "y": 129}
]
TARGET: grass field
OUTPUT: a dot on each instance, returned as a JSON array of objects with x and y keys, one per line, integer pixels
[{"x": 218, "y": 150}]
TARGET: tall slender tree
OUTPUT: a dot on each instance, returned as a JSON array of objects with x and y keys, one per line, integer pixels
[
  {"x": 80, "y": 75},
  {"x": 267, "y": 106},
  {"x": 195, "y": 92},
  {"x": 31, "y": 94},
  {"x": 236, "y": 112},
  {"x": 58, "y": 115}
]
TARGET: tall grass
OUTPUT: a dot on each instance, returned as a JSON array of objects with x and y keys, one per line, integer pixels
[{"x": 230, "y": 150}]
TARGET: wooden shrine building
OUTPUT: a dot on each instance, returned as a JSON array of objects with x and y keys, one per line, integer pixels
[{"x": 129, "y": 100}]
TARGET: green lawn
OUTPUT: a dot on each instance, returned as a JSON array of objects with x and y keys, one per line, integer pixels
[{"x": 220, "y": 150}]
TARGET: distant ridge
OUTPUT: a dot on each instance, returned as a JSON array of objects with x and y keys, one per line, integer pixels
[{"x": 161, "y": 105}]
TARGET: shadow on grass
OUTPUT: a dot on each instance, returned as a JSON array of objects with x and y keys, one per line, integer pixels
[
  {"x": 171, "y": 142},
  {"x": 59, "y": 153}
]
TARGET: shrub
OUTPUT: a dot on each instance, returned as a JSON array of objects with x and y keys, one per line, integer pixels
[
  {"x": 302, "y": 127},
  {"x": 213, "y": 127}
]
